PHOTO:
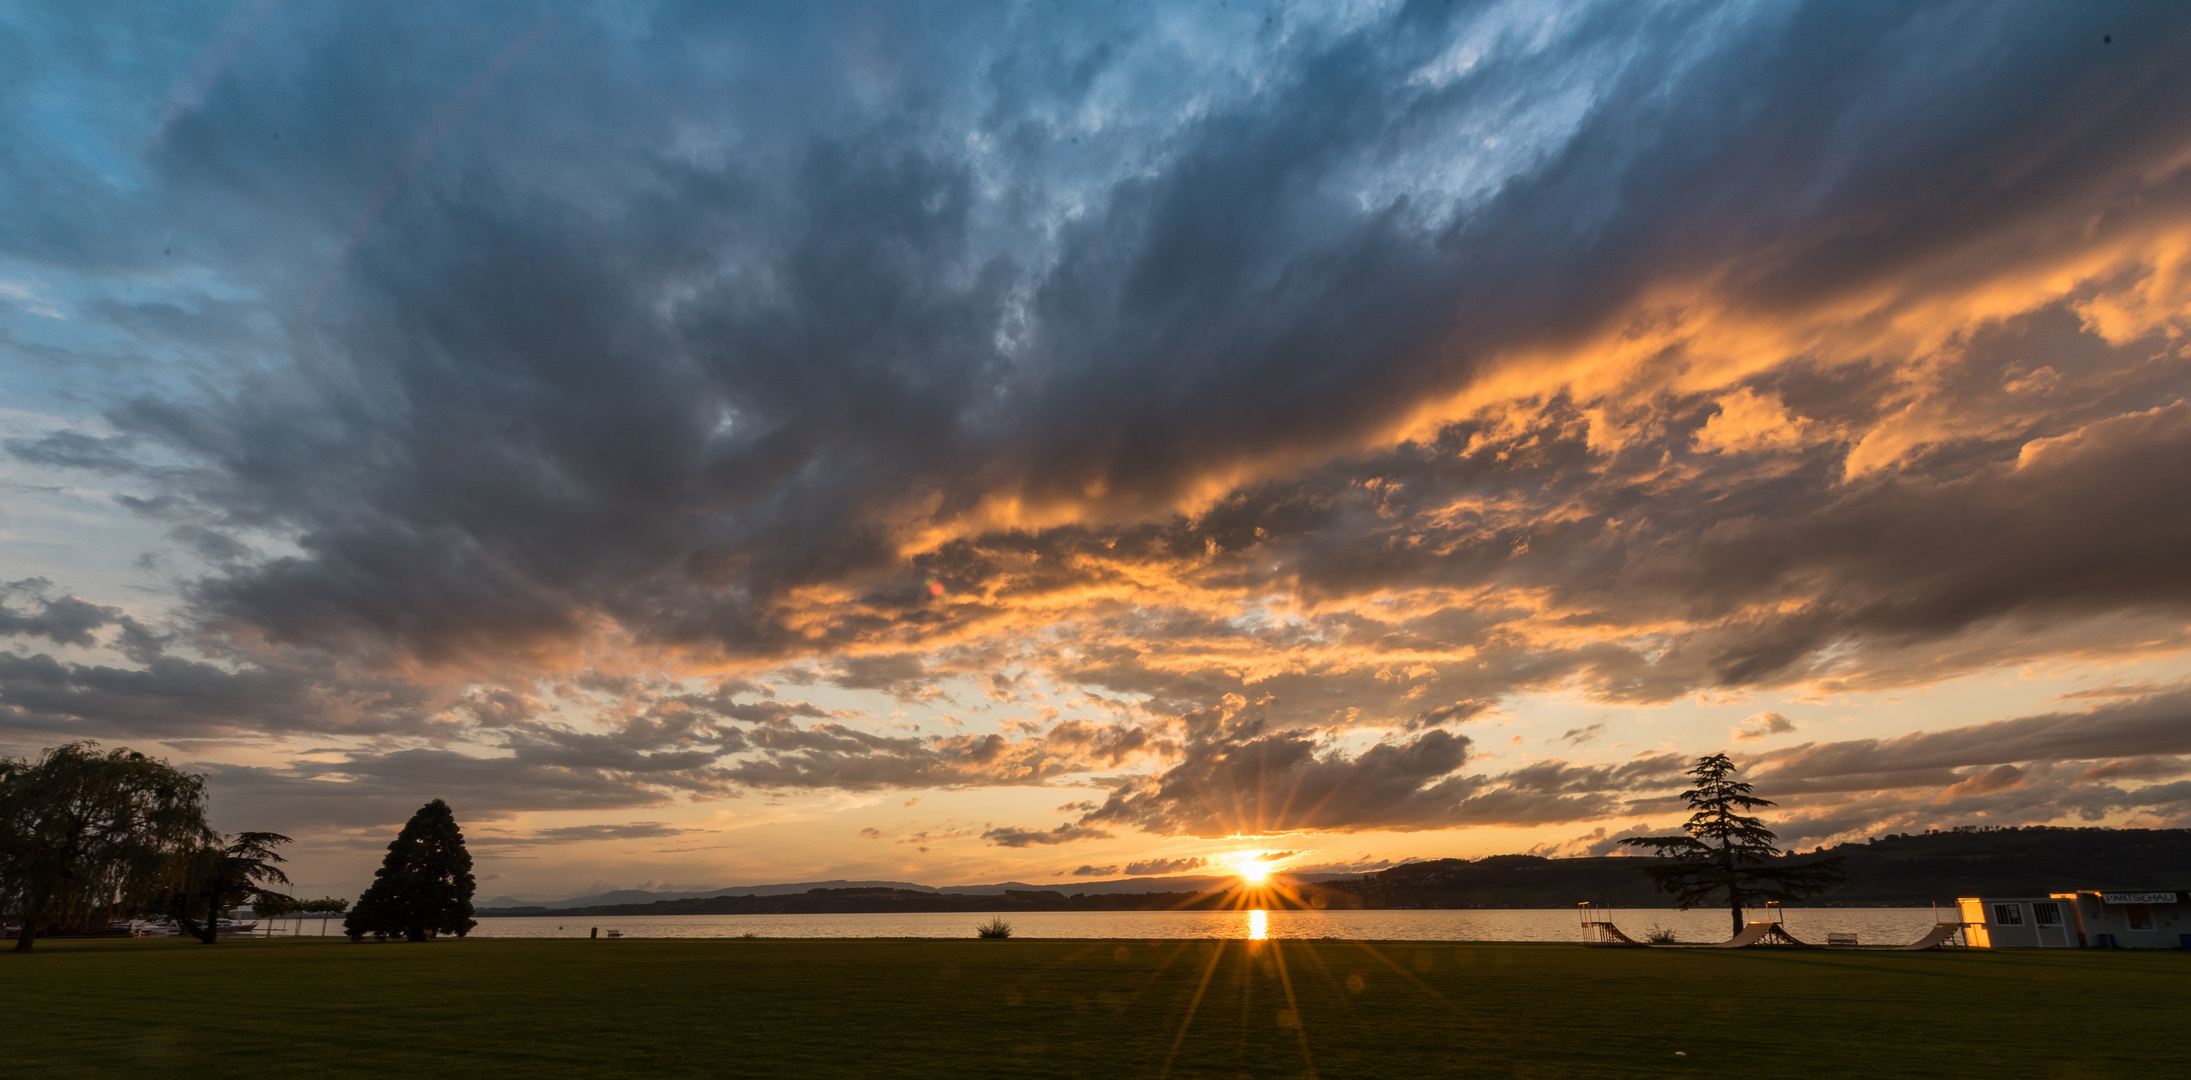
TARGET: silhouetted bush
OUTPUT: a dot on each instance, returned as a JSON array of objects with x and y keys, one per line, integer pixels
[{"x": 994, "y": 928}]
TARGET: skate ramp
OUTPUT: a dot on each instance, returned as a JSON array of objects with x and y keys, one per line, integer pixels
[
  {"x": 1604, "y": 935},
  {"x": 1938, "y": 936},
  {"x": 1759, "y": 934},
  {"x": 1756, "y": 933}
]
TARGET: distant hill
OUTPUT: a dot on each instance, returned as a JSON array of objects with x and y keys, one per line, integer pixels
[
  {"x": 2015, "y": 862},
  {"x": 1183, "y": 883},
  {"x": 642, "y": 896},
  {"x": 859, "y": 900},
  {"x": 1902, "y": 869},
  {"x": 1197, "y": 883},
  {"x": 1886, "y": 870},
  {"x": 1190, "y": 883}
]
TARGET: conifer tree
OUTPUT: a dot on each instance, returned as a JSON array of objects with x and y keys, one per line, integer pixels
[
  {"x": 222, "y": 872},
  {"x": 423, "y": 888},
  {"x": 1725, "y": 851}
]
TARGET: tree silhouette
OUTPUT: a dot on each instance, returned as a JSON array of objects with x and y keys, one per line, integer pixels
[
  {"x": 83, "y": 831},
  {"x": 273, "y": 907},
  {"x": 231, "y": 873},
  {"x": 423, "y": 887},
  {"x": 1725, "y": 851},
  {"x": 326, "y": 907}
]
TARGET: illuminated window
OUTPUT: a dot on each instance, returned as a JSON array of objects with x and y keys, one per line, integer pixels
[
  {"x": 2008, "y": 915},
  {"x": 2046, "y": 914},
  {"x": 2140, "y": 916}
]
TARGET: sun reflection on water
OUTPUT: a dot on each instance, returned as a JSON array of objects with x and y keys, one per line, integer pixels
[{"x": 1258, "y": 925}]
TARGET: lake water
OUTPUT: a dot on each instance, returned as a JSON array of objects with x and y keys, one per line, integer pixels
[{"x": 1873, "y": 926}]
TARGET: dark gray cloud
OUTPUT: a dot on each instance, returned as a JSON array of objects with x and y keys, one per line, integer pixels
[
  {"x": 382, "y": 790},
  {"x": 65, "y": 620},
  {"x": 76, "y": 450},
  {"x": 1234, "y": 779},
  {"x": 904, "y": 676},
  {"x": 517, "y": 763},
  {"x": 2154, "y": 727},
  {"x": 489, "y": 345},
  {"x": 1581, "y": 735},
  {"x": 2122, "y": 756},
  {"x": 171, "y": 697},
  {"x": 1165, "y": 866},
  {"x": 637, "y": 830},
  {"x": 833, "y": 755},
  {"x": 1015, "y": 837},
  {"x": 1762, "y": 726},
  {"x": 548, "y": 382}
]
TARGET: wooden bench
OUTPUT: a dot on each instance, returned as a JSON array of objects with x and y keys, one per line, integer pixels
[{"x": 1840, "y": 939}]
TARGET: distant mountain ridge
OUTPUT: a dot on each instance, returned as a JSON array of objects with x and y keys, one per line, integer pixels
[
  {"x": 1190, "y": 883},
  {"x": 1886, "y": 870},
  {"x": 643, "y": 896},
  {"x": 1905, "y": 869},
  {"x": 1184, "y": 883}
]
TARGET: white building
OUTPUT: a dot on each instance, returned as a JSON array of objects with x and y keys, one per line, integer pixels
[{"x": 2067, "y": 920}]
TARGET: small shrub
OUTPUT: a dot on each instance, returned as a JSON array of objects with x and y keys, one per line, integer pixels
[
  {"x": 1659, "y": 935},
  {"x": 994, "y": 928}
]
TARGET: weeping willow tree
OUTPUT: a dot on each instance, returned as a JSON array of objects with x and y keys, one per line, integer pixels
[
  {"x": 88, "y": 836},
  {"x": 1725, "y": 851}
]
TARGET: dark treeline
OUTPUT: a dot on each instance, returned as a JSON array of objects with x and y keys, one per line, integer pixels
[
  {"x": 879, "y": 900},
  {"x": 89, "y": 837},
  {"x": 1897, "y": 869},
  {"x": 91, "y": 840},
  {"x": 1887, "y": 870},
  {"x": 2015, "y": 862}
]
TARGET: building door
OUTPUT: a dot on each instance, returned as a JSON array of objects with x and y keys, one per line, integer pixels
[{"x": 2052, "y": 927}]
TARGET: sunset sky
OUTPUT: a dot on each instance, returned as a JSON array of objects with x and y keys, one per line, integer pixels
[{"x": 733, "y": 443}]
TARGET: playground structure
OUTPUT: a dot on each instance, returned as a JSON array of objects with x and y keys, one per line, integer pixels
[{"x": 1599, "y": 931}]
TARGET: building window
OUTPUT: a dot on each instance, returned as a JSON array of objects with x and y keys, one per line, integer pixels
[
  {"x": 2008, "y": 915},
  {"x": 2046, "y": 914},
  {"x": 2140, "y": 916}
]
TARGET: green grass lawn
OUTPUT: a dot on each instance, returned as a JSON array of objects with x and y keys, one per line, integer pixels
[{"x": 773, "y": 1008}]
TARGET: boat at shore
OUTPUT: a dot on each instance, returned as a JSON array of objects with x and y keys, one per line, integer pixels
[{"x": 164, "y": 927}]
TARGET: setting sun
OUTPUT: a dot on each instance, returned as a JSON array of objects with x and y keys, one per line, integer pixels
[{"x": 1254, "y": 871}]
